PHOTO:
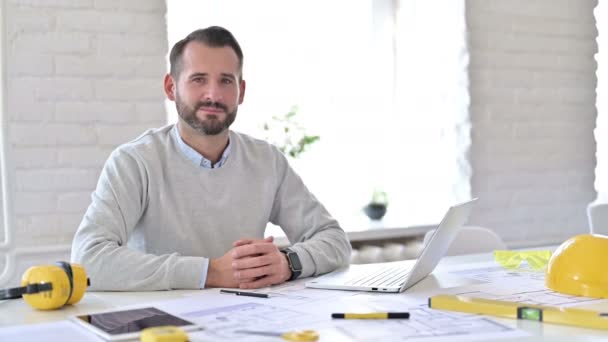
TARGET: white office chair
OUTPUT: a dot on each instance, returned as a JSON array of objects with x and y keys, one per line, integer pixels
[
  {"x": 471, "y": 240},
  {"x": 597, "y": 213}
]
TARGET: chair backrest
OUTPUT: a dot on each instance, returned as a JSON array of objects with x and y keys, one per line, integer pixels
[
  {"x": 597, "y": 213},
  {"x": 471, "y": 240}
]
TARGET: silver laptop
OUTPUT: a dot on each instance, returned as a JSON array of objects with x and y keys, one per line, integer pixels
[{"x": 400, "y": 275}]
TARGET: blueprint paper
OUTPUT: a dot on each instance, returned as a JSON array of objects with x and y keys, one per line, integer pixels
[
  {"x": 523, "y": 285},
  {"x": 294, "y": 307}
]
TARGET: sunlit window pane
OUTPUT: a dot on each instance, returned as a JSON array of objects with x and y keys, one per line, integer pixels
[{"x": 385, "y": 121}]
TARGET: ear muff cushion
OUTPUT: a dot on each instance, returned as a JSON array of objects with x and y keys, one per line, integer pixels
[
  {"x": 68, "y": 271},
  {"x": 81, "y": 282}
]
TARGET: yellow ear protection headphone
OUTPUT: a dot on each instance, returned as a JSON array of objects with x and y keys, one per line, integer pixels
[{"x": 50, "y": 287}]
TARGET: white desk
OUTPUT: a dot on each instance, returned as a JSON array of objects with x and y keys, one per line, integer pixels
[{"x": 17, "y": 312}]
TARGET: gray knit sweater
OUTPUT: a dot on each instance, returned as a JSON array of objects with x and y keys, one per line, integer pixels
[{"x": 155, "y": 217}]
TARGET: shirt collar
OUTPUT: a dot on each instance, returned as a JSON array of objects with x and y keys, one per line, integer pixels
[{"x": 197, "y": 158}]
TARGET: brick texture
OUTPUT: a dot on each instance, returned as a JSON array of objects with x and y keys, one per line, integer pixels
[
  {"x": 601, "y": 131},
  {"x": 83, "y": 76},
  {"x": 532, "y": 88}
]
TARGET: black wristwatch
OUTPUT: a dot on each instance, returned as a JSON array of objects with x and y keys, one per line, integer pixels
[{"x": 294, "y": 263}]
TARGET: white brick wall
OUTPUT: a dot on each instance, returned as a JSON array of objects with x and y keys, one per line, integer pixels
[
  {"x": 532, "y": 74},
  {"x": 83, "y": 77},
  {"x": 601, "y": 131}
]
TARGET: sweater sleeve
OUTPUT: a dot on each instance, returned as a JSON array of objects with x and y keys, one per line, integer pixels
[
  {"x": 100, "y": 243},
  {"x": 316, "y": 237}
]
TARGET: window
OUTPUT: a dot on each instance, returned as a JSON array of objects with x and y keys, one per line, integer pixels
[{"x": 355, "y": 73}]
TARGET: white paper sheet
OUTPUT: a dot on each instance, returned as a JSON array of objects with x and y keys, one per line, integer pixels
[
  {"x": 424, "y": 324},
  {"x": 491, "y": 272},
  {"x": 524, "y": 286},
  {"x": 51, "y": 332},
  {"x": 222, "y": 315}
]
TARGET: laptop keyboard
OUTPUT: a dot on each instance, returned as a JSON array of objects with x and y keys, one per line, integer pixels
[{"x": 388, "y": 276}]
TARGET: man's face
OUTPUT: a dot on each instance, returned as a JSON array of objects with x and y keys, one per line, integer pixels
[{"x": 208, "y": 91}]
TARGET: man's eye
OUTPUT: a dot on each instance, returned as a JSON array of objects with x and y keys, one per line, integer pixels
[
  {"x": 227, "y": 81},
  {"x": 198, "y": 80}
]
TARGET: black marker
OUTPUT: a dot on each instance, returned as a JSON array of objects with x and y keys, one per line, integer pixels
[{"x": 372, "y": 315}]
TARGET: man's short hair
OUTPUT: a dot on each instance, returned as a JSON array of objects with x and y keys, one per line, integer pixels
[{"x": 213, "y": 36}]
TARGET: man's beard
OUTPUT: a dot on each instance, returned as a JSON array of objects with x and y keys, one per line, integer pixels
[{"x": 210, "y": 126}]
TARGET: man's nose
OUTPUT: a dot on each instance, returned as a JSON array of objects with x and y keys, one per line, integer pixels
[{"x": 213, "y": 92}]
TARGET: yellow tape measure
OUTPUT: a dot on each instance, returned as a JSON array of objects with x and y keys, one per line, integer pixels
[{"x": 163, "y": 334}]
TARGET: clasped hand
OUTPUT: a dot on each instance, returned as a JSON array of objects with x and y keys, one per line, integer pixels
[{"x": 251, "y": 263}]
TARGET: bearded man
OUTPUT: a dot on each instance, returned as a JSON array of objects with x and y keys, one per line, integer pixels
[{"x": 185, "y": 206}]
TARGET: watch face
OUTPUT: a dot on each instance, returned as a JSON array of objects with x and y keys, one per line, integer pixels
[{"x": 295, "y": 261}]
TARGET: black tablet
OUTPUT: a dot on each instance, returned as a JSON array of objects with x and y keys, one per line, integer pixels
[{"x": 128, "y": 324}]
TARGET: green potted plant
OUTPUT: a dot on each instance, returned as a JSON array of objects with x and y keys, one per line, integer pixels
[
  {"x": 376, "y": 208},
  {"x": 288, "y": 135}
]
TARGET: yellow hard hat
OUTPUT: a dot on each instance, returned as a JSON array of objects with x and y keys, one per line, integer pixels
[{"x": 578, "y": 268}]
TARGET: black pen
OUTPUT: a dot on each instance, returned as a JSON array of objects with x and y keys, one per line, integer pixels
[{"x": 248, "y": 294}]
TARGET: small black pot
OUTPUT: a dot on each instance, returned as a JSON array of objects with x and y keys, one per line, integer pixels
[{"x": 375, "y": 211}]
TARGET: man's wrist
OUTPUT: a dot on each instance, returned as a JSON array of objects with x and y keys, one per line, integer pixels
[{"x": 211, "y": 274}]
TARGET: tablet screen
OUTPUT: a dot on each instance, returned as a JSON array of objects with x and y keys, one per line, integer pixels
[{"x": 131, "y": 321}]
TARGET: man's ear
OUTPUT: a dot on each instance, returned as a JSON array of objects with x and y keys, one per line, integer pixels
[
  {"x": 169, "y": 87},
  {"x": 242, "y": 87}
]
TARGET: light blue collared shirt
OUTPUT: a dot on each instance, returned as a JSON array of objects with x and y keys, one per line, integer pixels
[{"x": 199, "y": 160}]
